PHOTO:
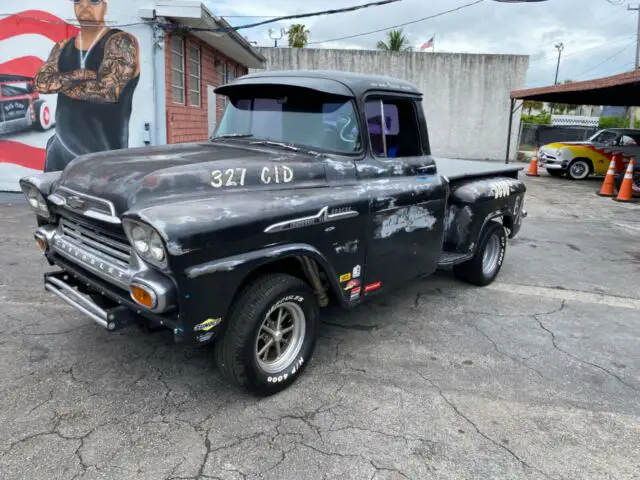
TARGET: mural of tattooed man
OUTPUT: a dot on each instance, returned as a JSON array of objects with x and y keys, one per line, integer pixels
[{"x": 95, "y": 75}]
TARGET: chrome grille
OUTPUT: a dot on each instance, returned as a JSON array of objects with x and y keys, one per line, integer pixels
[{"x": 106, "y": 245}]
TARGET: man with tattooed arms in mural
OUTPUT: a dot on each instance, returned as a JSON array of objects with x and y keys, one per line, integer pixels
[{"x": 95, "y": 75}]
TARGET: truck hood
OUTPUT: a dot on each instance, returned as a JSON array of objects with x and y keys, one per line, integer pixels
[{"x": 137, "y": 176}]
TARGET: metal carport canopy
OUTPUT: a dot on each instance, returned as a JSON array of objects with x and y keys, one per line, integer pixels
[
  {"x": 622, "y": 90},
  {"x": 619, "y": 90}
]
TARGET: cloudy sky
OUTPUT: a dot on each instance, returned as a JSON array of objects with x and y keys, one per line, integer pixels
[{"x": 599, "y": 35}]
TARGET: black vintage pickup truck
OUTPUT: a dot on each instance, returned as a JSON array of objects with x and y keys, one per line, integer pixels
[{"x": 317, "y": 188}]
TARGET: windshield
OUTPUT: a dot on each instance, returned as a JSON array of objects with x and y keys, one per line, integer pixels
[
  {"x": 302, "y": 118},
  {"x": 603, "y": 136}
]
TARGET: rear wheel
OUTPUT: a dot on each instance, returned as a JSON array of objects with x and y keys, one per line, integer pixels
[
  {"x": 270, "y": 335},
  {"x": 485, "y": 265},
  {"x": 579, "y": 169}
]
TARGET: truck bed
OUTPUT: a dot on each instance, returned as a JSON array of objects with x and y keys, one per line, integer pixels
[{"x": 460, "y": 169}]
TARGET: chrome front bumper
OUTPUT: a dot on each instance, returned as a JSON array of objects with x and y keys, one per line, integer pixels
[
  {"x": 80, "y": 302},
  {"x": 108, "y": 273},
  {"x": 552, "y": 163},
  {"x": 553, "y": 166}
]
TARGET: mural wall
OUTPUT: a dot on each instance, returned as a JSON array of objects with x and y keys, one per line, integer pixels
[{"x": 76, "y": 76}]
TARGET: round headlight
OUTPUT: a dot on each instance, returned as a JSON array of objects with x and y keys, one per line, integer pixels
[
  {"x": 32, "y": 198},
  {"x": 140, "y": 239},
  {"x": 157, "y": 249}
]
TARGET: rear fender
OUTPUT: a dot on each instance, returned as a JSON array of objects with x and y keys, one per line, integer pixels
[{"x": 473, "y": 204}]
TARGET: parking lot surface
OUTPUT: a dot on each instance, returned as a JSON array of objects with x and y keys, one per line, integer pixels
[{"x": 536, "y": 376}]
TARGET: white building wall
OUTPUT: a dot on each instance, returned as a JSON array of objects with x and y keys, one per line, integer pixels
[{"x": 466, "y": 96}]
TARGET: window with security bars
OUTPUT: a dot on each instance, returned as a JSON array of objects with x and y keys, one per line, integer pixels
[
  {"x": 194, "y": 76},
  {"x": 177, "y": 69}
]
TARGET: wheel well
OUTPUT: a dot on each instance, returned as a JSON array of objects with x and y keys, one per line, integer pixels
[
  {"x": 507, "y": 221},
  {"x": 588, "y": 160},
  {"x": 291, "y": 266}
]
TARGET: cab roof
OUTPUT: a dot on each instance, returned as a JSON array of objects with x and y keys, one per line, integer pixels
[{"x": 335, "y": 82}]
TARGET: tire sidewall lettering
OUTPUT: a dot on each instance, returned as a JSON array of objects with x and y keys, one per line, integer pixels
[
  {"x": 503, "y": 248},
  {"x": 291, "y": 371}
]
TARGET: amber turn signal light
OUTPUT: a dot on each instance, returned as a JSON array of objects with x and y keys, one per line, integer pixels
[
  {"x": 143, "y": 296},
  {"x": 42, "y": 243}
]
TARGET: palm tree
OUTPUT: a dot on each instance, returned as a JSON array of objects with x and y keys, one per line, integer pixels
[
  {"x": 396, "y": 42},
  {"x": 298, "y": 36},
  {"x": 532, "y": 105}
]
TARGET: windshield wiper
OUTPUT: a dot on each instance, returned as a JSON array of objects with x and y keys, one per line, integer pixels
[
  {"x": 233, "y": 135},
  {"x": 271, "y": 143}
]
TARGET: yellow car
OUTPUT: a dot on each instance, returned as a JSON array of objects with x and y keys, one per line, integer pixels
[{"x": 578, "y": 160}]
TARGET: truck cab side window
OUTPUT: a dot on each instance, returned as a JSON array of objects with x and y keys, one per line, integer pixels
[{"x": 400, "y": 136}]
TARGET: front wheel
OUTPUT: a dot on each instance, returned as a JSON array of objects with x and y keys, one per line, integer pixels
[
  {"x": 485, "y": 265},
  {"x": 579, "y": 169},
  {"x": 270, "y": 335}
]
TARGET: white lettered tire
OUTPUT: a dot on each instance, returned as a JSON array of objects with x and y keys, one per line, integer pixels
[{"x": 270, "y": 335}]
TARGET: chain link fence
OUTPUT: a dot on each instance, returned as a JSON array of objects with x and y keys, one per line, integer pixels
[{"x": 533, "y": 136}]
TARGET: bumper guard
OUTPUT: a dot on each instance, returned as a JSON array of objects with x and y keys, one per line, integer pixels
[{"x": 60, "y": 284}]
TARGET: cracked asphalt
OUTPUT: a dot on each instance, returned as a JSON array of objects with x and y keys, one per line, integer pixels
[{"x": 536, "y": 376}]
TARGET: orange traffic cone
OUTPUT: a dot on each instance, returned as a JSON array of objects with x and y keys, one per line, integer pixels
[
  {"x": 626, "y": 189},
  {"x": 533, "y": 166},
  {"x": 609, "y": 184}
]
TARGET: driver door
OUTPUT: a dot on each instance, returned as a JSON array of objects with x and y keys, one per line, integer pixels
[{"x": 407, "y": 197}]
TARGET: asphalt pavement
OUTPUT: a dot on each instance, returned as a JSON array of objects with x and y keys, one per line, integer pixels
[{"x": 536, "y": 376}]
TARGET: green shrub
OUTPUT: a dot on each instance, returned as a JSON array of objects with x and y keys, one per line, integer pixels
[
  {"x": 543, "y": 118},
  {"x": 616, "y": 122}
]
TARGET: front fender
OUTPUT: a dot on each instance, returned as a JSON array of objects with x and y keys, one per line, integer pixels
[{"x": 207, "y": 289}]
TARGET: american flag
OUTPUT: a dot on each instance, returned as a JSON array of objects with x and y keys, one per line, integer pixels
[
  {"x": 428, "y": 44},
  {"x": 27, "y": 35}
]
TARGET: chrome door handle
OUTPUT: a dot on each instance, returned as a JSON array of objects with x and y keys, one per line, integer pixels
[{"x": 428, "y": 169}]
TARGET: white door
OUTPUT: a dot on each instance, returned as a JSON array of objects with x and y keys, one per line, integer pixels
[{"x": 211, "y": 108}]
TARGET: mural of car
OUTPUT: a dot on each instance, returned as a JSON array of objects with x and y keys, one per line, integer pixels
[
  {"x": 21, "y": 107},
  {"x": 578, "y": 160}
]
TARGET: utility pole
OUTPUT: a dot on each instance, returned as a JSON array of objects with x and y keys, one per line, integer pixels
[
  {"x": 632, "y": 110},
  {"x": 560, "y": 48},
  {"x": 274, "y": 38}
]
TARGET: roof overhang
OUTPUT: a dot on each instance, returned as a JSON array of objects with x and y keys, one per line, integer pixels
[
  {"x": 195, "y": 14},
  {"x": 618, "y": 90}
]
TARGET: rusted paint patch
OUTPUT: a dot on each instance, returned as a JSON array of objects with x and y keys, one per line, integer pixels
[
  {"x": 348, "y": 247},
  {"x": 405, "y": 219}
]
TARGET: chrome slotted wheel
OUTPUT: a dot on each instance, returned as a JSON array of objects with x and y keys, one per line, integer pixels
[
  {"x": 280, "y": 337},
  {"x": 491, "y": 256}
]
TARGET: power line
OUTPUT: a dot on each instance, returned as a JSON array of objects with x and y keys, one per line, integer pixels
[
  {"x": 399, "y": 25},
  {"x": 605, "y": 61},
  {"x": 73, "y": 23},
  {"x": 578, "y": 52},
  {"x": 296, "y": 16},
  {"x": 229, "y": 29}
]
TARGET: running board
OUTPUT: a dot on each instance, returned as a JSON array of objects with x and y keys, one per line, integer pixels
[{"x": 448, "y": 259}]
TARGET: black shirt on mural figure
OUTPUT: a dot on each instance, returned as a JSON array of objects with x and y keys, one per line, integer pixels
[{"x": 87, "y": 126}]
